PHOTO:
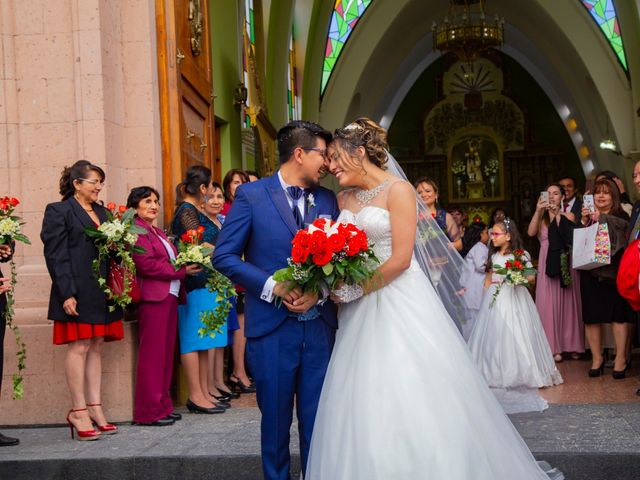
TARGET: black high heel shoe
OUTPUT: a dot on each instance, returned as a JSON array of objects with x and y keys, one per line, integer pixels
[
  {"x": 221, "y": 398},
  {"x": 596, "y": 372},
  {"x": 231, "y": 395},
  {"x": 239, "y": 386},
  {"x": 193, "y": 408},
  {"x": 619, "y": 374}
]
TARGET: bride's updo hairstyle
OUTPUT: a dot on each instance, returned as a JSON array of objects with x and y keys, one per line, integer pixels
[{"x": 363, "y": 132}]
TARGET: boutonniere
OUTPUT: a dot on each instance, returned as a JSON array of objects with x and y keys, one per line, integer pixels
[{"x": 311, "y": 200}]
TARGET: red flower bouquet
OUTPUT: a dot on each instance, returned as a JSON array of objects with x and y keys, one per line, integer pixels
[
  {"x": 11, "y": 232},
  {"x": 515, "y": 271},
  {"x": 191, "y": 251},
  {"x": 328, "y": 252}
]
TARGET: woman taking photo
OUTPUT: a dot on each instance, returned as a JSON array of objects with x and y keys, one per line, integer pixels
[
  {"x": 601, "y": 302},
  {"x": 428, "y": 191},
  {"x": 160, "y": 288},
  {"x": 77, "y": 304},
  {"x": 558, "y": 286},
  {"x": 192, "y": 193}
]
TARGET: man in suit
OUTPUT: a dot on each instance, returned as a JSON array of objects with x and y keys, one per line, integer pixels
[
  {"x": 290, "y": 333},
  {"x": 571, "y": 201},
  {"x": 6, "y": 253}
]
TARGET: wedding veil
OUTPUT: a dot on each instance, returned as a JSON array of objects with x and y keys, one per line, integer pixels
[{"x": 438, "y": 259}]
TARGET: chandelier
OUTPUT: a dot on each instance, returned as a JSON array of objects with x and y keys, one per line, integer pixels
[{"x": 466, "y": 31}]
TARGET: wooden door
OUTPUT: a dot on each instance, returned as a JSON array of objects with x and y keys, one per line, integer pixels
[{"x": 186, "y": 92}]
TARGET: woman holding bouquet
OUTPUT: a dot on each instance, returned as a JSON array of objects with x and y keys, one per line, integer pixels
[
  {"x": 161, "y": 290},
  {"x": 195, "y": 190},
  {"x": 79, "y": 308}
]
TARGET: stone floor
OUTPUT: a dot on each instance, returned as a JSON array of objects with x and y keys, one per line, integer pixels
[{"x": 591, "y": 431}]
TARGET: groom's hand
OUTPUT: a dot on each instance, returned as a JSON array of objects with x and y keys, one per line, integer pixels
[
  {"x": 302, "y": 304},
  {"x": 287, "y": 292}
]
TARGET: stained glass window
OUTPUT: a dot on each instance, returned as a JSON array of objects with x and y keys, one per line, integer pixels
[
  {"x": 293, "y": 101},
  {"x": 604, "y": 13},
  {"x": 250, "y": 30},
  {"x": 344, "y": 18}
]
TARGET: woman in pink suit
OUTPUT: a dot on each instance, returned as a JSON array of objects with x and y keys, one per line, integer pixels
[
  {"x": 558, "y": 288},
  {"x": 161, "y": 290}
]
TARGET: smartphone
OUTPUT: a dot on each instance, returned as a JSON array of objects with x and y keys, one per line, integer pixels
[
  {"x": 587, "y": 201},
  {"x": 544, "y": 195}
]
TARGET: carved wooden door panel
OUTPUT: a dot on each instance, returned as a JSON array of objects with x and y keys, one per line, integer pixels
[{"x": 185, "y": 80}]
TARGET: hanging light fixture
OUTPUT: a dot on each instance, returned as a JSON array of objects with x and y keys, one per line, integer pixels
[
  {"x": 466, "y": 30},
  {"x": 608, "y": 143}
]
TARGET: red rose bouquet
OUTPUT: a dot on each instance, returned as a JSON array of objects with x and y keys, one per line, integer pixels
[
  {"x": 515, "y": 271},
  {"x": 328, "y": 252},
  {"x": 11, "y": 232},
  {"x": 191, "y": 251}
]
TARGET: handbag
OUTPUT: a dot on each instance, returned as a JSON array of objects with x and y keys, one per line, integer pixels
[
  {"x": 115, "y": 281},
  {"x": 591, "y": 247},
  {"x": 629, "y": 274}
]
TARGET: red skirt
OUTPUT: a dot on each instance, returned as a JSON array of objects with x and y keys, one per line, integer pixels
[{"x": 66, "y": 332}]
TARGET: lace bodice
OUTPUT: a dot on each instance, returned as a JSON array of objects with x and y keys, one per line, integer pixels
[{"x": 376, "y": 224}]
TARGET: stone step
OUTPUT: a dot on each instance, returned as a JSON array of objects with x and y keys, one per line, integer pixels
[{"x": 595, "y": 442}]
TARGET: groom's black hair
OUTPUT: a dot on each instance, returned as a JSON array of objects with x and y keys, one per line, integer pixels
[{"x": 299, "y": 133}]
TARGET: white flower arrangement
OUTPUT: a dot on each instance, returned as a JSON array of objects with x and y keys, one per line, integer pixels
[
  {"x": 193, "y": 254},
  {"x": 492, "y": 167},
  {"x": 9, "y": 227},
  {"x": 458, "y": 167}
]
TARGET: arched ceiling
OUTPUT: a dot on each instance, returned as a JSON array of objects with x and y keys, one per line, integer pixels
[{"x": 557, "y": 42}]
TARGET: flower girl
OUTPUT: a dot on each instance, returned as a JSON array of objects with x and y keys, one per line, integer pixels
[{"x": 508, "y": 343}]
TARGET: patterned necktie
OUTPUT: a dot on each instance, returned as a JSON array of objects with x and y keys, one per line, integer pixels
[{"x": 295, "y": 193}]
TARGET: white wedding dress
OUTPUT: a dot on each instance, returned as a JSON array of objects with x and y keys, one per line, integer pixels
[{"x": 402, "y": 398}]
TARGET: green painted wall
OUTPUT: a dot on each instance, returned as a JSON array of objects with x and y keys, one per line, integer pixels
[{"x": 227, "y": 71}]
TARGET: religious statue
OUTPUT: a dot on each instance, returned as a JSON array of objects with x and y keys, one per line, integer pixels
[{"x": 474, "y": 164}]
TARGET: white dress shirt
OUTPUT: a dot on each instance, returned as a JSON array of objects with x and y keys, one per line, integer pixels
[{"x": 174, "y": 288}]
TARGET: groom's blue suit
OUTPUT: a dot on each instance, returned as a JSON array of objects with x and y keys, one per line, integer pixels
[{"x": 288, "y": 357}]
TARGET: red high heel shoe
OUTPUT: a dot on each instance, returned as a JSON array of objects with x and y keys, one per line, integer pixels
[
  {"x": 92, "y": 434},
  {"x": 107, "y": 428}
]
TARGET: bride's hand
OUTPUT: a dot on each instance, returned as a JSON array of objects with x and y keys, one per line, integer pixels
[{"x": 347, "y": 293}]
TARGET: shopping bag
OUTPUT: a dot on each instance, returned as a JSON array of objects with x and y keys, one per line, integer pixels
[{"x": 591, "y": 247}]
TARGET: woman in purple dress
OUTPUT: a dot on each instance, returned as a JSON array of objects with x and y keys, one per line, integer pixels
[{"x": 558, "y": 288}]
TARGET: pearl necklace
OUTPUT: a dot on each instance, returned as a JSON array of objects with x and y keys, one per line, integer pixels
[{"x": 365, "y": 196}]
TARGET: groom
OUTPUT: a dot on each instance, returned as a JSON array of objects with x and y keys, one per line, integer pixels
[{"x": 290, "y": 333}]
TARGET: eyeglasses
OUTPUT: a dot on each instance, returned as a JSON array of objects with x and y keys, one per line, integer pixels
[
  {"x": 93, "y": 182},
  {"x": 321, "y": 151}
]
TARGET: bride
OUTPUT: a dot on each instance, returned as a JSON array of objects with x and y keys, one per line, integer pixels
[{"x": 402, "y": 398}]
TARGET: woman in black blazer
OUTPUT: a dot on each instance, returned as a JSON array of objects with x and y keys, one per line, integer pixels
[{"x": 77, "y": 304}]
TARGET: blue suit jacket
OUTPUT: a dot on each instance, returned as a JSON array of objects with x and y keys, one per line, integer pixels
[{"x": 260, "y": 227}]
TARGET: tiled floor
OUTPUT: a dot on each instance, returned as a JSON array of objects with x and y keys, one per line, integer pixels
[{"x": 579, "y": 388}]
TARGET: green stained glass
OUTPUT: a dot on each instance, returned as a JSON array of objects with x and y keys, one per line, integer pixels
[
  {"x": 604, "y": 14},
  {"x": 345, "y": 16}
]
